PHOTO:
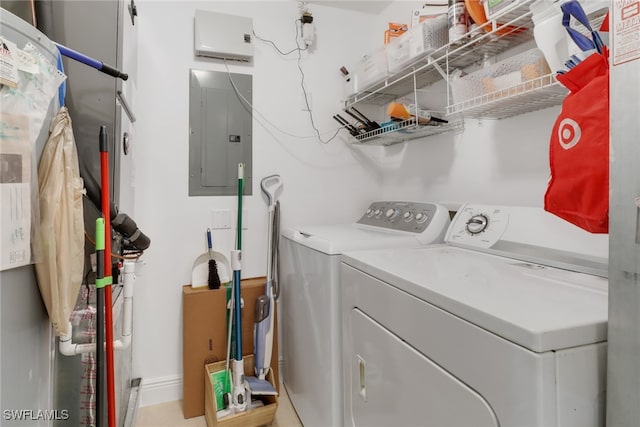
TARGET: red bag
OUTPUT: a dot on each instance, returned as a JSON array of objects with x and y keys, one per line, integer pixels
[{"x": 578, "y": 190}]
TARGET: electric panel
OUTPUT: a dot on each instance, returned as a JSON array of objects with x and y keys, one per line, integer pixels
[{"x": 220, "y": 132}]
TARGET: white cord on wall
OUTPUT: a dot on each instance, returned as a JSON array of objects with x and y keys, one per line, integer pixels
[{"x": 308, "y": 41}]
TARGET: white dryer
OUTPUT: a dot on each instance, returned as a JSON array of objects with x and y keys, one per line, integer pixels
[
  {"x": 310, "y": 297},
  {"x": 503, "y": 325}
]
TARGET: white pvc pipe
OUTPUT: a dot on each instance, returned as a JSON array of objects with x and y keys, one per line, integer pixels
[{"x": 67, "y": 348}]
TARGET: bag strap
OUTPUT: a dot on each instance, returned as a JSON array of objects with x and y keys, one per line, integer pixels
[{"x": 574, "y": 8}]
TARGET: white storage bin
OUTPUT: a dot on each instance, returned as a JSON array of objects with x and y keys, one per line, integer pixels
[
  {"x": 371, "y": 69},
  {"x": 429, "y": 36},
  {"x": 398, "y": 52},
  {"x": 351, "y": 86},
  {"x": 507, "y": 74}
]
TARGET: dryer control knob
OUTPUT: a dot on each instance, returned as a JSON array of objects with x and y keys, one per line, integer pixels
[
  {"x": 477, "y": 224},
  {"x": 377, "y": 212},
  {"x": 391, "y": 213},
  {"x": 369, "y": 212},
  {"x": 421, "y": 217},
  {"x": 408, "y": 216}
]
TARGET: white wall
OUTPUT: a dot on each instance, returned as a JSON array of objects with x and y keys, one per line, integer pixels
[
  {"x": 493, "y": 162},
  {"x": 322, "y": 183}
]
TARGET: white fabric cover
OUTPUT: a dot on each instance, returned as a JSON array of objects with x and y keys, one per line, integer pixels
[{"x": 59, "y": 243}]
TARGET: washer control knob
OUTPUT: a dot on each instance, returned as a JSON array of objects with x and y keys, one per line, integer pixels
[
  {"x": 377, "y": 212},
  {"x": 421, "y": 217},
  {"x": 408, "y": 216},
  {"x": 477, "y": 224},
  {"x": 369, "y": 212},
  {"x": 391, "y": 213}
]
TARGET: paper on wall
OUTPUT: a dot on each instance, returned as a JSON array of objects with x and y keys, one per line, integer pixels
[
  {"x": 625, "y": 25},
  {"x": 8, "y": 63},
  {"x": 15, "y": 191}
]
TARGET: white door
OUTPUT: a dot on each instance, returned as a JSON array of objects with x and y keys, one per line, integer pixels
[{"x": 391, "y": 383}]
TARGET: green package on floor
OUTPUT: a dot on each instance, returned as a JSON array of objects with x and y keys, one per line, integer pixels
[{"x": 221, "y": 385}]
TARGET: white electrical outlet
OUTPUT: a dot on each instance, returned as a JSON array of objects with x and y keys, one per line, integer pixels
[
  {"x": 225, "y": 219},
  {"x": 221, "y": 219}
]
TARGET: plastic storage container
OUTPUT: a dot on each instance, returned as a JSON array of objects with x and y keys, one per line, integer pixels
[
  {"x": 351, "y": 85},
  {"x": 371, "y": 69},
  {"x": 417, "y": 42},
  {"x": 428, "y": 37},
  {"x": 502, "y": 79},
  {"x": 398, "y": 52}
]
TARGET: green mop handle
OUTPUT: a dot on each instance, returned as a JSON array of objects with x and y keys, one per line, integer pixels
[
  {"x": 100, "y": 350},
  {"x": 235, "y": 263}
]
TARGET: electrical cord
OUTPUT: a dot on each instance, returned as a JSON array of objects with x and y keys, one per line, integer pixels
[
  {"x": 276, "y": 47},
  {"x": 262, "y": 116},
  {"x": 306, "y": 98},
  {"x": 298, "y": 49}
]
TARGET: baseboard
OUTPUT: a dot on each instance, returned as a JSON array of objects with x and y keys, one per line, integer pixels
[{"x": 160, "y": 390}]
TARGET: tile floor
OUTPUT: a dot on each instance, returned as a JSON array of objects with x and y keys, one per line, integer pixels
[{"x": 169, "y": 414}]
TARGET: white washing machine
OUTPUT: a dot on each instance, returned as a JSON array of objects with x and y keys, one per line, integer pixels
[
  {"x": 503, "y": 325},
  {"x": 310, "y": 297}
]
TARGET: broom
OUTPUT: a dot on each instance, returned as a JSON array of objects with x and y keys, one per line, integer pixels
[{"x": 214, "y": 278}]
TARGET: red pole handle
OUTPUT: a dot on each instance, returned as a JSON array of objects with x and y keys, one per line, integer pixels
[{"x": 108, "y": 302}]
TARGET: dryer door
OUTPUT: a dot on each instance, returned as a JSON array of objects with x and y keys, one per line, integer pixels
[{"x": 393, "y": 384}]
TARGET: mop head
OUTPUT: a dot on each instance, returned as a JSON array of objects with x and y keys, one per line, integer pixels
[
  {"x": 221, "y": 386},
  {"x": 258, "y": 387}
]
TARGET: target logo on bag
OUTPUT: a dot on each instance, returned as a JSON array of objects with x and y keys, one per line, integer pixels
[{"x": 569, "y": 133}]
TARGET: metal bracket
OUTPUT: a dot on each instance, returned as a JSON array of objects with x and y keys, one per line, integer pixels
[
  {"x": 125, "y": 106},
  {"x": 133, "y": 11},
  {"x": 438, "y": 67}
]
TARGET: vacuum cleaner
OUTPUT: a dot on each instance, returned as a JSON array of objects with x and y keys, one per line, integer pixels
[
  {"x": 235, "y": 388},
  {"x": 265, "y": 305}
]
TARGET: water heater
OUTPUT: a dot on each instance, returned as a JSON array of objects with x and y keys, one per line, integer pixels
[{"x": 222, "y": 36}]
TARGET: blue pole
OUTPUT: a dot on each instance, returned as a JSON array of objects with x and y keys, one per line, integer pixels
[{"x": 93, "y": 63}]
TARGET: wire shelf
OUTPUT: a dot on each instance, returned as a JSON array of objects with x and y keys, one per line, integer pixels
[
  {"x": 531, "y": 95},
  {"x": 511, "y": 28},
  {"x": 405, "y": 131}
]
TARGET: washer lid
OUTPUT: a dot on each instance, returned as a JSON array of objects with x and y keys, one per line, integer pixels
[
  {"x": 541, "y": 308},
  {"x": 335, "y": 239}
]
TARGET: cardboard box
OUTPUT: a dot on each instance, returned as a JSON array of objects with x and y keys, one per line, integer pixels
[
  {"x": 204, "y": 336},
  {"x": 252, "y": 418}
]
